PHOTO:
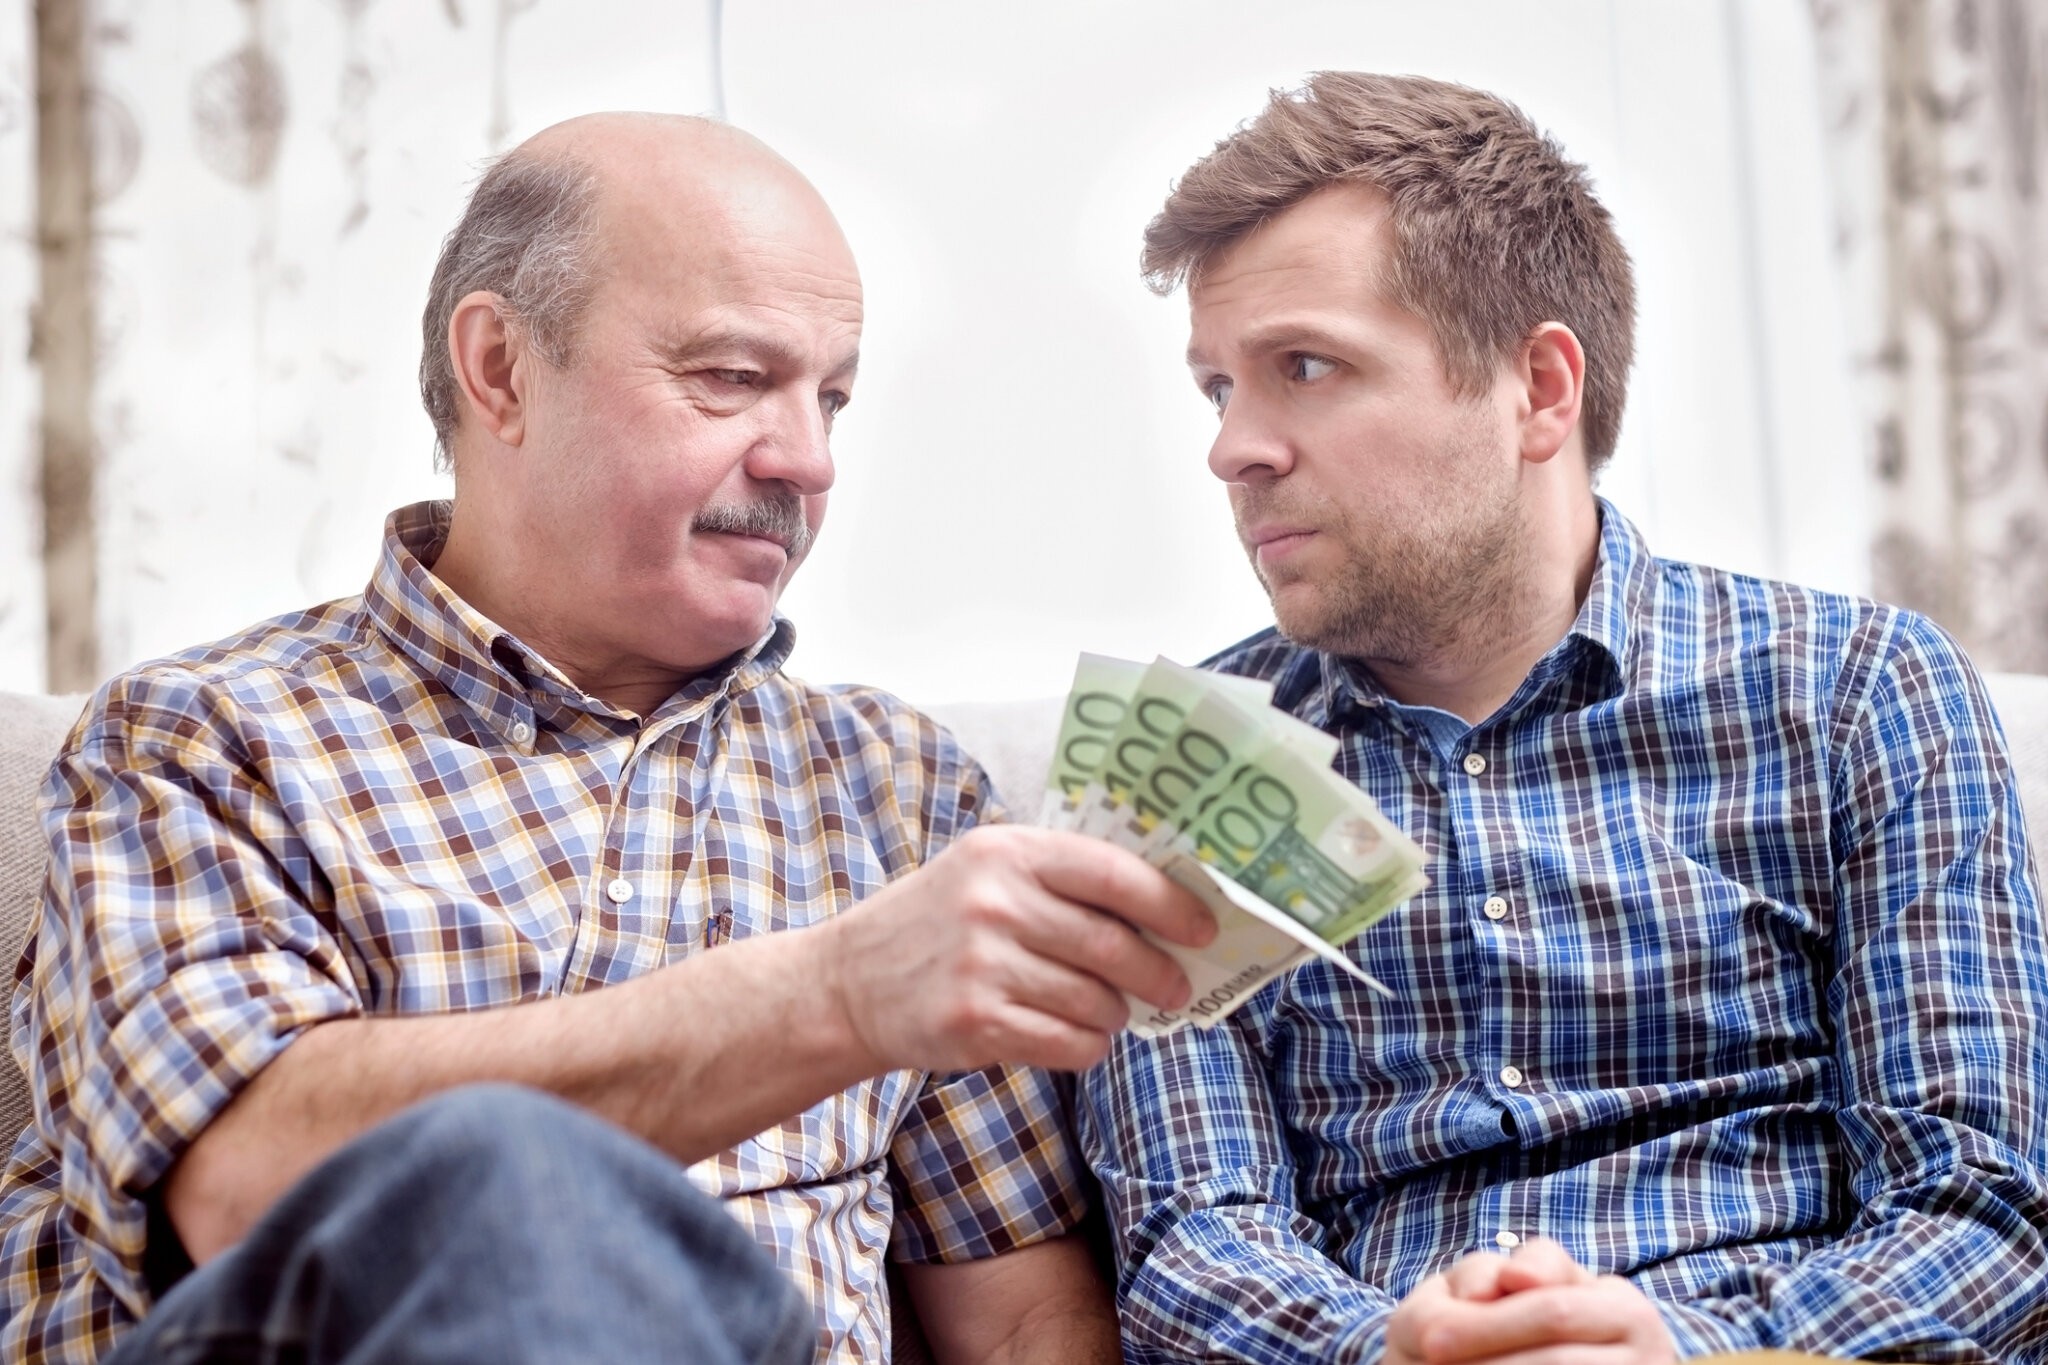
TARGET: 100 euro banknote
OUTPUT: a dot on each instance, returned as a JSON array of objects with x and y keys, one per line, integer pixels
[
  {"x": 1235, "y": 800},
  {"x": 1157, "y": 712}
]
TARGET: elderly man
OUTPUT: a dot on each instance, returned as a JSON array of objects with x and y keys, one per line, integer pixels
[
  {"x": 539, "y": 807},
  {"x": 1721, "y": 1024}
]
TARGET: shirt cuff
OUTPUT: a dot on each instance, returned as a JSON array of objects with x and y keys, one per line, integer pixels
[{"x": 1367, "y": 1345}]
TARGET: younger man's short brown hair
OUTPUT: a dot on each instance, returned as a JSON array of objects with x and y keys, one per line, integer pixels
[{"x": 1495, "y": 231}]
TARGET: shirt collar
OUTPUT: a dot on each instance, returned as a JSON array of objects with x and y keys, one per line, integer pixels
[
  {"x": 500, "y": 678},
  {"x": 1624, "y": 576},
  {"x": 1603, "y": 638}
]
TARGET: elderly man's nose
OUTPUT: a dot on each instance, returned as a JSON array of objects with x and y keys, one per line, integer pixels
[{"x": 797, "y": 452}]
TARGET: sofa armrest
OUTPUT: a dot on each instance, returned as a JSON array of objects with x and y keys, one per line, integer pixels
[{"x": 31, "y": 729}]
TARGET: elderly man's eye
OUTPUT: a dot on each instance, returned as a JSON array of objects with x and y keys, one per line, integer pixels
[
  {"x": 1309, "y": 368},
  {"x": 742, "y": 378}
]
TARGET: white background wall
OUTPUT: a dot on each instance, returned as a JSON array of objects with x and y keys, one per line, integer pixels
[
  {"x": 21, "y": 583},
  {"x": 1022, "y": 474}
]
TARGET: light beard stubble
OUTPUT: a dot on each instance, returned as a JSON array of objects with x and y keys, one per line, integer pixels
[{"x": 1408, "y": 592}]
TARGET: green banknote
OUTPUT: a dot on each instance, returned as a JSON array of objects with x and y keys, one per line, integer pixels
[
  {"x": 1165, "y": 694},
  {"x": 1300, "y": 837},
  {"x": 1234, "y": 799},
  {"x": 1254, "y": 943},
  {"x": 1096, "y": 705},
  {"x": 1219, "y": 733}
]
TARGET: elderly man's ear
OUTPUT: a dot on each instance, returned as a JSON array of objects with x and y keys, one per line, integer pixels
[{"x": 492, "y": 363}]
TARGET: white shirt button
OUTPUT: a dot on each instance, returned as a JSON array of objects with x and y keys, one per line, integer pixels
[
  {"x": 619, "y": 892},
  {"x": 1510, "y": 1076},
  {"x": 1475, "y": 764},
  {"x": 1496, "y": 907},
  {"x": 522, "y": 733},
  {"x": 1506, "y": 1241}
]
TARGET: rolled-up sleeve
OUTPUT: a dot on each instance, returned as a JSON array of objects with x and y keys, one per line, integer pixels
[
  {"x": 981, "y": 1165},
  {"x": 178, "y": 952}
]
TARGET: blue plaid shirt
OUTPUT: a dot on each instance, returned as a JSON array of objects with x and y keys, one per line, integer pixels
[{"x": 1731, "y": 979}]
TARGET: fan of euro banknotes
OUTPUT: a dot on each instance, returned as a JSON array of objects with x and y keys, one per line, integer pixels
[{"x": 1197, "y": 773}]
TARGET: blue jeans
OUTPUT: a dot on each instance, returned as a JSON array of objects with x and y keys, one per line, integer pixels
[{"x": 490, "y": 1224}]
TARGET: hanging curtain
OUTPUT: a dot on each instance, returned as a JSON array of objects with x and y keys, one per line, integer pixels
[{"x": 1934, "y": 111}]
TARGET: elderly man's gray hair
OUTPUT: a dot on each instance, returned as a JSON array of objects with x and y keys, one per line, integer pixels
[{"x": 529, "y": 235}]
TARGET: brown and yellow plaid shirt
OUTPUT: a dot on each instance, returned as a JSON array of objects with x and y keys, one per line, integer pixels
[{"x": 387, "y": 805}]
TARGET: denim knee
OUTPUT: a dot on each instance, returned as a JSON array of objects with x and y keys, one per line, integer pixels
[
  {"x": 502, "y": 1142},
  {"x": 482, "y": 1116},
  {"x": 488, "y": 1223}
]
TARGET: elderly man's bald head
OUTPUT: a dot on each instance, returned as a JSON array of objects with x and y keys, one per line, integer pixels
[
  {"x": 544, "y": 217},
  {"x": 696, "y": 148}
]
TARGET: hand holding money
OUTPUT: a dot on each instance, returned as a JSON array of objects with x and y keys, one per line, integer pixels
[
  {"x": 1235, "y": 801},
  {"x": 1013, "y": 945}
]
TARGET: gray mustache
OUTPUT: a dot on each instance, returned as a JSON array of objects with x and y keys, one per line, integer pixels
[{"x": 779, "y": 519}]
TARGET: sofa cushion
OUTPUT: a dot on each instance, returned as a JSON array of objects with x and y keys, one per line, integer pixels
[{"x": 1012, "y": 740}]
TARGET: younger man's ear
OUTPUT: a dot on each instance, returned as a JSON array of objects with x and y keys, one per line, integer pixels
[
  {"x": 489, "y": 355},
  {"x": 1552, "y": 373}
]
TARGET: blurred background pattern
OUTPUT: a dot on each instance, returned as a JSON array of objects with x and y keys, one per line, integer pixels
[{"x": 218, "y": 218}]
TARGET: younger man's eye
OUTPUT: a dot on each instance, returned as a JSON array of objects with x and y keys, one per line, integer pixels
[{"x": 1309, "y": 368}]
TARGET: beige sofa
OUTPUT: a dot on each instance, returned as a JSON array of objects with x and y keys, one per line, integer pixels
[{"x": 1012, "y": 739}]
